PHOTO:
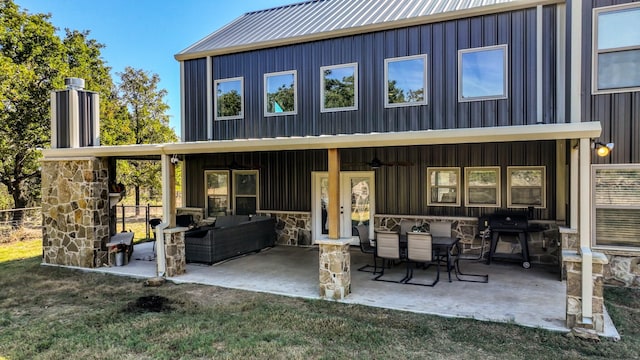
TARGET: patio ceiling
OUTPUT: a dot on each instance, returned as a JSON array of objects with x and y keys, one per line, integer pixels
[{"x": 424, "y": 137}]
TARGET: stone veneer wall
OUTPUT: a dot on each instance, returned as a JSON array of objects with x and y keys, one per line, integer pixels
[
  {"x": 292, "y": 228},
  {"x": 335, "y": 269},
  {"x": 622, "y": 269},
  {"x": 544, "y": 248},
  {"x": 174, "y": 252},
  {"x": 572, "y": 262},
  {"x": 75, "y": 211}
]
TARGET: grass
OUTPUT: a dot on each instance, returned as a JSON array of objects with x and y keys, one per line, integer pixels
[{"x": 56, "y": 313}]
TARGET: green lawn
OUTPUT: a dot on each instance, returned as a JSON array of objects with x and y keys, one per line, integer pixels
[{"x": 54, "y": 313}]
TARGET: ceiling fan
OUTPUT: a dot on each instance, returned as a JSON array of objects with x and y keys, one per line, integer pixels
[{"x": 377, "y": 163}]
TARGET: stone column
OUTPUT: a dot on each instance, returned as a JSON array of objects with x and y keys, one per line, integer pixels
[
  {"x": 174, "y": 251},
  {"x": 335, "y": 268},
  {"x": 75, "y": 211},
  {"x": 572, "y": 262}
]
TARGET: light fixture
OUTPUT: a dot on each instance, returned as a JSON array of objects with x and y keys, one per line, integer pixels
[
  {"x": 602, "y": 149},
  {"x": 175, "y": 160}
]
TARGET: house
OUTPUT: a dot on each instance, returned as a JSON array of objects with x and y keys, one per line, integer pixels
[{"x": 331, "y": 113}]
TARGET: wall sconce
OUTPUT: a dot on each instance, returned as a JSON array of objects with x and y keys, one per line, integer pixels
[
  {"x": 602, "y": 149},
  {"x": 175, "y": 160}
]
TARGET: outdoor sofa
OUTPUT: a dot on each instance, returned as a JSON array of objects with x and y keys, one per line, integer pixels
[{"x": 231, "y": 236}]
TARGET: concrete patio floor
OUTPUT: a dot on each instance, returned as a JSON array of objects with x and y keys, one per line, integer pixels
[{"x": 532, "y": 297}]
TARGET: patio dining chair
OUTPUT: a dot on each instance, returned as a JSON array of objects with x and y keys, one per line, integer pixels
[
  {"x": 388, "y": 248},
  {"x": 365, "y": 246},
  {"x": 444, "y": 229},
  {"x": 420, "y": 251}
]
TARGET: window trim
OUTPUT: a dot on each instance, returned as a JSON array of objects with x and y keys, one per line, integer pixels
[
  {"x": 295, "y": 93},
  {"x": 206, "y": 199},
  {"x": 234, "y": 188},
  {"x": 215, "y": 99},
  {"x": 425, "y": 100},
  {"x": 543, "y": 187},
  {"x": 595, "y": 206},
  {"x": 595, "y": 52},
  {"x": 354, "y": 65},
  {"x": 467, "y": 171},
  {"x": 505, "y": 72},
  {"x": 430, "y": 170}
]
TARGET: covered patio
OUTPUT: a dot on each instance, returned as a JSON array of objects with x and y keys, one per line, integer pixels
[{"x": 529, "y": 297}]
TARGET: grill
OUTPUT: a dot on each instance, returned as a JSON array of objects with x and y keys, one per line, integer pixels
[{"x": 515, "y": 224}]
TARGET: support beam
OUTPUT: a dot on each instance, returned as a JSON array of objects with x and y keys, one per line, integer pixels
[
  {"x": 334, "y": 194},
  {"x": 561, "y": 180},
  {"x": 585, "y": 230},
  {"x": 168, "y": 191},
  {"x": 573, "y": 185}
]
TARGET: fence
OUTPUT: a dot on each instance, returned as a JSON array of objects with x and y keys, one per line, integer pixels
[
  {"x": 31, "y": 219},
  {"x": 136, "y": 218}
]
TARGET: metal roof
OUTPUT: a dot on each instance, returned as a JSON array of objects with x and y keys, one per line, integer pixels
[{"x": 318, "y": 19}]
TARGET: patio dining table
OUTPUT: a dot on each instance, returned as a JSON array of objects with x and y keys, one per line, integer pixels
[
  {"x": 441, "y": 243},
  {"x": 447, "y": 244}
]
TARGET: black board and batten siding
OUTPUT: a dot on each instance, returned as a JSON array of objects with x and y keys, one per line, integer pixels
[
  {"x": 440, "y": 41},
  {"x": 619, "y": 113},
  {"x": 285, "y": 176}
]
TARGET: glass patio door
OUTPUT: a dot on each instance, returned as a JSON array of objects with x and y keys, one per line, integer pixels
[{"x": 357, "y": 202}]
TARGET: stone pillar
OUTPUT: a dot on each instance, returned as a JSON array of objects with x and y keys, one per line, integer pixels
[
  {"x": 572, "y": 262},
  {"x": 335, "y": 268},
  {"x": 174, "y": 251},
  {"x": 75, "y": 211}
]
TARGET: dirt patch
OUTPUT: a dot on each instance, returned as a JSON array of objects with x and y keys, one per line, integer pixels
[{"x": 152, "y": 303}]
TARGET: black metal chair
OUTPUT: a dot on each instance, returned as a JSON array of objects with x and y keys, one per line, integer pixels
[
  {"x": 420, "y": 251},
  {"x": 388, "y": 248},
  {"x": 362, "y": 233},
  {"x": 444, "y": 229}
]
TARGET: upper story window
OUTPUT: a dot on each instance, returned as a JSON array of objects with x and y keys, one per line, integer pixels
[
  {"x": 482, "y": 186},
  {"x": 229, "y": 98},
  {"x": 443, "y": 186},
  {"x": 482, "y": 73},
  {"x": 616, "y": 194},
  {"x": 339, "y": 87},
  {"x": 526, "y": 186},
  {"x": 280, "y": 94},
  {"x": 616, "y": 44},
  {"x": 217, "y": 192},
  {"x": 406, "y": 81}
]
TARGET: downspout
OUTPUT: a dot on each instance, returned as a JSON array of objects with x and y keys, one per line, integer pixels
[{"x": 584, "y": 193}]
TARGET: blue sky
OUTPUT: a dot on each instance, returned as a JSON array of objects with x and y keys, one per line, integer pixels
[{"x": 146, "y": 34}]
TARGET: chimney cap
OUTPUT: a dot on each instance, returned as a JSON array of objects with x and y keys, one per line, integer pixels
[{"x": 74, "y": 83}]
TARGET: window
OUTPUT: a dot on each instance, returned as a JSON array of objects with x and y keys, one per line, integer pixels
[
  {"x": 616, "y": 191},
  {"x": 229, "y": 101},
  {"x": 280, "y": 96},
  {"x": 482, "y": 73},
  {"x": 245, "y": 191},
  {"x": 482, "y": 186},
  {"x": 339, "y": 87},
  {"x": 443, "y": 186},
  {"x": 526, "y": 186},
  {"x": 406, "y": 79},
  {"x": 217, "y": 192},
  {"x": 616, "y": 44}
]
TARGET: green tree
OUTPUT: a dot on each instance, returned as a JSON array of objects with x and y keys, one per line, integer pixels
[
  {"x": 229, "y": 103},
  {"x": 147, "y": 123},
  {"x": 396, "y": 94},
  {"x": 338, "y": 93}
]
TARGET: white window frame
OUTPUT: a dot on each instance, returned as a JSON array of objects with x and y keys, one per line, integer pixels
[
  {"x": 467, "y": 187},
  {"x": 355, "y": 87},
  {"x": 215, "y": 99},
  {"x": 596, "y": 52},
  {"x": 543, "y": 187},
  {"x": 505, "y": 73},
  {"x": 295, "y": 93},
  {"x": 431, "y": 170},
  {"x": 595, "y": 206},
  {"x": 206, "y": 196},
  {"x": 234, "y": 186},
  {"x": 386, "y": 81}
]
